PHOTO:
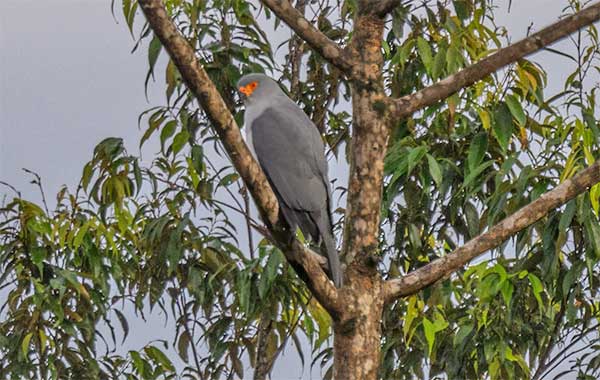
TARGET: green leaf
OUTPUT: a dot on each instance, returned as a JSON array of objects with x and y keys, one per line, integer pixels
[
  {"x": 109, "y": 148},
  {"x": 153, "y": 123},
  {"x": 570, "y": 277},
  {"x": 243, "y": 285},
  {"x": 425, "y": 53},
  {"x": 129, "y": 10},
  {"x": 454, "y": 59},
  {"x": 43, "y": 339},
  {"x": 462, "y": 8},
  {"x": 516, "y": 109},
  {"x": 80, "y": 235},
  {"x": 462, "y": 333},
  {"x": 435, "y": 170},
  {"x": 38, "y": 254},
  {"x": 395, "y": 157},
  {"x": 592, "y": 230},
  {"x": 138, "y": 362},
  {"x": 429, "y": 329},
  {"x": 412, "y": 312},
  {"x": 507, "y": 292},
  {"x": 167, "y": 131},
  {"x": 494, "y": 366},
  {"x": 242, "y": 12},
  {"x": 386, "y": 48},
  {"x": 440, "y": 323},
  {"x": 183, "y": 345},
  {"x": 484, "y": 116},
  {"x": 537, "y": 288},
  {"x": 472, "y": 217},
  {"x": 179, "y": 141},
  {"x": 323, "y": 321},
  {"x": 475, "y": 173},
  {"x": 503, "y": 126},
  {"x": 197, "y": 158},
  {"x": 229, "y": 179},
  {"x": 269, "y": 273},
  {"x": 153, "y": 53},
  {"x": 159, "y": 357},
  {"x": 137, "y": 173},
  {"x": 477, "y": 150},
  {"x": 88, "y": 171},
  {"x": 273, "y": 263},
  {"x": 439, "y": 63},
  {"x": 415, "y": 156},
  {"x": 124, "y": 324},
  {"x": 517, "y": 358},
  {"x": 567, "y": 216},
  {"x": 25, "y": 344}
]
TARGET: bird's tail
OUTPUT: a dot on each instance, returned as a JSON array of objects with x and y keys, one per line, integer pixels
[{"x": 335, "y": 267}]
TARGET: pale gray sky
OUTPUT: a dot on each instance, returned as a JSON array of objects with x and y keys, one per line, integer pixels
[{"x": 68, "y": 80}]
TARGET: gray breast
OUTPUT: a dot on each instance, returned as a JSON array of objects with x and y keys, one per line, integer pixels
[{"x": 253, "y": 110}]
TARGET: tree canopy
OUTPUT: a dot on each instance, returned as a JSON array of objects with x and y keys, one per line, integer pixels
[{"x": 455, "y": 148}]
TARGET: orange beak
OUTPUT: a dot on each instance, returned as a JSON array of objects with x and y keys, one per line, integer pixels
[{"x": 249, "y": 88}]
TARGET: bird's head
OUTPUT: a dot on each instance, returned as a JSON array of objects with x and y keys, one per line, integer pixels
[{"x": 256, "y": 86}]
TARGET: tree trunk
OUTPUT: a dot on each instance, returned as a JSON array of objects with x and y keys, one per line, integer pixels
[
  {"x": 370, "y": 134},
  {"x": 357, "y": 328},
  {"x": 357, "y": 331}
]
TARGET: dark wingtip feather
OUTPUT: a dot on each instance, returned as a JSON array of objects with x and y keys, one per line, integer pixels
[{"x": 335, "y": 267}]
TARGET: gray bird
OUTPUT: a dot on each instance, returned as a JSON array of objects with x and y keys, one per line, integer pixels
[{"x": 289, "y": 149}]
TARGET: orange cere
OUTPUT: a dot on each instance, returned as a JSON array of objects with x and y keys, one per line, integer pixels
[{"x": 249, "y": 88}]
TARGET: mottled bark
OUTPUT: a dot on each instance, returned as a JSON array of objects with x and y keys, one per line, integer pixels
[
  {"x": 357, "y": 331},
  {"x": 370, "y": 136},
  {"x": 526, "y": 216},
  {"x": 407, "y": 105}
]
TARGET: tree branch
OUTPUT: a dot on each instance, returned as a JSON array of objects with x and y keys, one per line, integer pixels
[
  {"x": 295, "y": 57},
  {"x": 407, "y": 105},
  {"x": 526, "y": 216},
  {"x": 318, "y": 41},
  {"x": 384, "y": 7},
  {"x": 263, "y": 362},
  {"x": 198, "y": 82}
]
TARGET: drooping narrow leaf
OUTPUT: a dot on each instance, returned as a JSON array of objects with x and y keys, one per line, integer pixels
[{"x": 516, "y": 109}]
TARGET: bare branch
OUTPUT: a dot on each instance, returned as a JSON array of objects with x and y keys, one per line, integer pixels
[
  {"x": 526, "y": 216},
  {"x": 295, "y": 57},
  {"x": 407, "y": 105},
  {"x": 328, "y": 49},
  {"x": 263, "y": 361},
  {"x": 197, "y": 80}
]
